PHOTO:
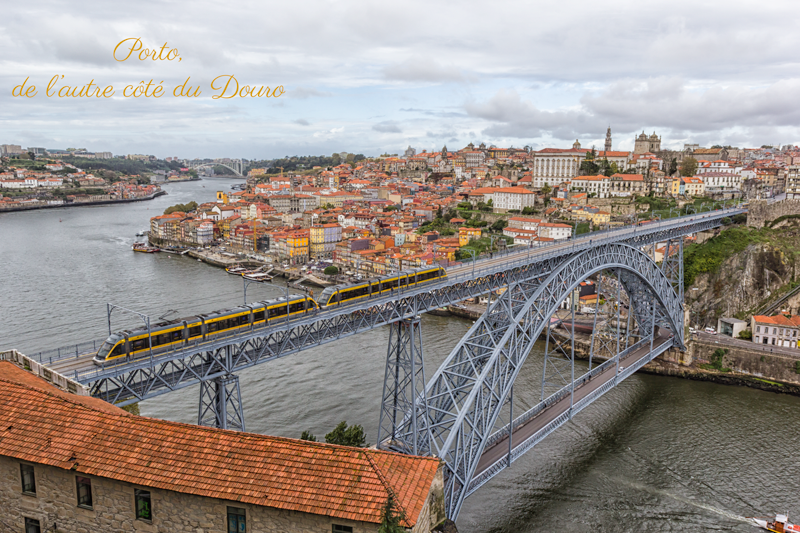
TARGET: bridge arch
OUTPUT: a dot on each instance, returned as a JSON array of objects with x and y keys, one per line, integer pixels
[
  {"x": 205, "y": 165},
  {"x": 467, "y": 393}
]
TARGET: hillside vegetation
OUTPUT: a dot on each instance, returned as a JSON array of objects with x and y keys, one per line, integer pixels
[{"x": 736, "y": 272}]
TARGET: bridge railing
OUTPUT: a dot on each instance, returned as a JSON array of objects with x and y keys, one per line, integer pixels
[
  {"x": 551, "y": 426},
  {"x": 71, "y": 351},
  {"x": 559, "y": 395}
]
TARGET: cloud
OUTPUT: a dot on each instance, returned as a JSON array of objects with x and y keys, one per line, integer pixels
[
  {"x": 673, "y": 103},
  {"x": 302, "y": 122},
  {"x": 387, "y": 126},
  {"x": 422, "y": 68},
  {"x": 305, "y": 92},
  {"x": 511, "y": 116}
]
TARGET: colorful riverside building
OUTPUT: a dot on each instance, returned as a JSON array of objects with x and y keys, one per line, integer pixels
[{"x": 76, "y": 463}]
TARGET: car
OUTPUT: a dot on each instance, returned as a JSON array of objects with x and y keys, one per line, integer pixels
[
  {"x": 621, "y": 369},
  {"x": 710, "y": 331},
  {"x": 692, "y": 330}
]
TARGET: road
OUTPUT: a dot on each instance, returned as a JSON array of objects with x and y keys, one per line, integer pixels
[
  {"x": 724, "y": 340},
  {"x": 500, "y": 449}
]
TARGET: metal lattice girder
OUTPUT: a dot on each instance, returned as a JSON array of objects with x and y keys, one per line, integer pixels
[
  {"x": 403, "y": 389},
  {"x": 130, "y": 382},
  {"x": 468, "y": 390},
  {"x": 221, "y": 403}
]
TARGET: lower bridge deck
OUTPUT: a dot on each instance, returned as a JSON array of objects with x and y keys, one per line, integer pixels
[{"x": 554, "y": 411}]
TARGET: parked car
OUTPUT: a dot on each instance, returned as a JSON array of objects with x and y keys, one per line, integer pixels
[{"x": 710, "y": 331}]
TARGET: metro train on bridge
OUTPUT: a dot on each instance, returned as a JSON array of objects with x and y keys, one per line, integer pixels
[{"x": 172, "y": 334}]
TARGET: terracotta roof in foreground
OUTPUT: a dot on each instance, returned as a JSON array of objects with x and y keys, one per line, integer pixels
[{"x": 40, "y": 424}]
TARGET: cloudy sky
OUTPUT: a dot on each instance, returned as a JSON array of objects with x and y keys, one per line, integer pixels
[{"x": 371, "y": 77}]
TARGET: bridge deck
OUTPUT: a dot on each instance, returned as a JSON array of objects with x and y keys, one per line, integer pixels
[
  {"x": 499, "y": 449},
  {"x": 461, "y": 277}
]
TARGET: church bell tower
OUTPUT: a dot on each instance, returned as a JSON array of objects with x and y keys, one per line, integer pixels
[{"x": 608, "y": 139}]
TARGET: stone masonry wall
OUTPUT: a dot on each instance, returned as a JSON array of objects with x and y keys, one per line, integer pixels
[
  {"x": 759, "y": 212},
  {"x": 771, "y": 366},
  {"x": 113, "y": 508}
]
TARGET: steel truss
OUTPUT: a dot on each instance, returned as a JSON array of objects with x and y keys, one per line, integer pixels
[
  {"x": 221, "y": 403},
  {"x": 403, "y": 389},
  {"x": 467, "y": 392},
  {"x": 132, "y": 381}
]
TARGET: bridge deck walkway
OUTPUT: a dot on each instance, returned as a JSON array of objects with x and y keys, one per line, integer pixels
[{"x": 499, "y": 450}]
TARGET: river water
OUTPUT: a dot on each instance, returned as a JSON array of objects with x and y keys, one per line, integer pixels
[{"x": 655, "y": 454}]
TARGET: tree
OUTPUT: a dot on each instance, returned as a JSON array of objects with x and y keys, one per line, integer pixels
[
  {"x": 689, "y": 167},
  {"x": 306, "y": 435},
  {"x": 390, "y": 518},
  {"x": 673, "y": 166},
  {"x": 331, "y": 271},
  {"x": 499, "y": 224},
  {"x": 589, "y": 167},
  {"x": 546, "y": 189},
  {"x": 347, "y": 436},
  {"x": 183, "y": 208},
  {"x": 31, "y": 156}
]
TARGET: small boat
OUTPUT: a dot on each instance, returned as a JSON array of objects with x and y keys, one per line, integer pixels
[
  {"x": 142, "y": 233},
  {"x": 144, "y": 248},
  {"x": 236, "y": 270},
  {"x": 779, "y": 525},
  {"x": 257, "y": 276}
]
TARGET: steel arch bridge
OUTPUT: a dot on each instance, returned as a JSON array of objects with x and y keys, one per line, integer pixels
[
  {"x": 455, "y": 416},
  {"x": 237, "y": 171}
]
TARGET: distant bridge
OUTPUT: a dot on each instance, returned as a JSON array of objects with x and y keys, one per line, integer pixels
[{"x": 234, "y": 165}]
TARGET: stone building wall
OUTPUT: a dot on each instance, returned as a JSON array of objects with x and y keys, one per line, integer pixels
[
  {"x": 113, "y": 508},
  {"x": 759, "y": 211}
]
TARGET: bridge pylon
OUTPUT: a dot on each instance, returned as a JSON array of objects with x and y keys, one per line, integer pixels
[
  {"x": 404, "y": 406},
  {"x": 221, "y": 403}
]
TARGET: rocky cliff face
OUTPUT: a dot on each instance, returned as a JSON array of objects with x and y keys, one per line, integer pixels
[{"x": 765, "y": 268}]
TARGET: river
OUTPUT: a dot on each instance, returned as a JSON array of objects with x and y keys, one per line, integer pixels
[{"x": 655, "y": 454}]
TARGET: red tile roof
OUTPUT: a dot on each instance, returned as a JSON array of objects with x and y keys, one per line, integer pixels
[{"x": 40, "y": 424}]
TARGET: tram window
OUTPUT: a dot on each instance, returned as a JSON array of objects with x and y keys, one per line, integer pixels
[
  {"x": 139, "y": 345},
  {"x": 244, "y": 319},
  {"x": 278, "y": 311},
  {"x": 119, "y": 349},
  {"x": 177, "y": 335},
  {"x": 194, "y": 331},
  {"x": 258, "y": 316},
  {"x": 213, "y": 326}
]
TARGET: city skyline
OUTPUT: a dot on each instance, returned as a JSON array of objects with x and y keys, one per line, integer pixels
[{"x": 369, "y": 79}]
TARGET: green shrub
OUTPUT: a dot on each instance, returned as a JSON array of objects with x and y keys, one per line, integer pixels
[{"x": 331, "y": 271}]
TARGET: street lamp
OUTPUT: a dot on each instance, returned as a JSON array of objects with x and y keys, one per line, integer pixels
[{"x": 471, "y": 252}]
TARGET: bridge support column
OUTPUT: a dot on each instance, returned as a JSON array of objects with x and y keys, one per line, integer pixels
[
  {"x": 404, "y": 406},
  {"x": 221, "y": 403}
]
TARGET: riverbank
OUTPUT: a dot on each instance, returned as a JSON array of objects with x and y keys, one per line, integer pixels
[
  {"x": 83, "y": 204},
  {"x": 753, "y": 369}
]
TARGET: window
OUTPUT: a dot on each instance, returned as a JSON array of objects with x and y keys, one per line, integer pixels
[
  {"x": 143, "y": 509},
  {"x": 28, "y": 479},
  {"x": 32, "y": 526},
  {"x": 758, "y": 329},
  {"x": 236, "y": 520},
  {"x": 84, "y": 492},
  {"x": 342, "y": 529}
]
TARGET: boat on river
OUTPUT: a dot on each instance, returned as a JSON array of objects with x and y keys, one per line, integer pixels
[
  {"x": 236, "y": 270},
  {"x": 257, "y": 276},
  {"x": 145, "y": 248},
  {"x": 780, "y": 524}
]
